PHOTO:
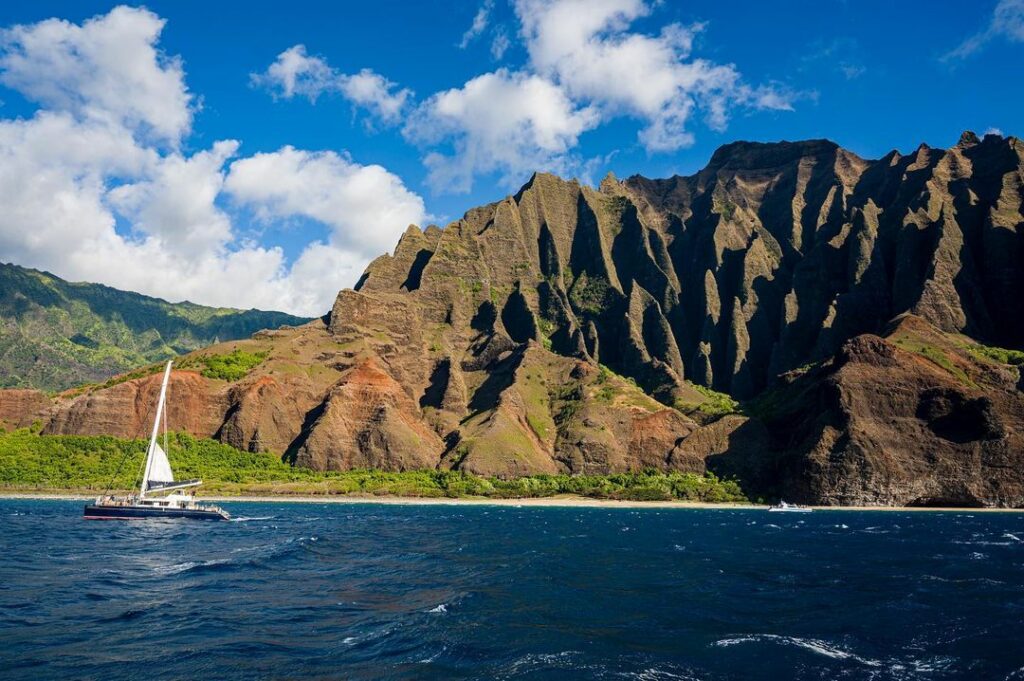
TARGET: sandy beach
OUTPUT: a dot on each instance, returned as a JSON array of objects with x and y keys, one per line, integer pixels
[{"x": 539, "y": 502}]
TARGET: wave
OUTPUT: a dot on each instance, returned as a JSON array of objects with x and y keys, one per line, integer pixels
[
  {"x": 810, "y": 644},
  {"x": 247, "y": 519},
  {"x": 966, "y": 580},
  {"x": 440, "y": 608},
  {"x": 243, "y": 557}
]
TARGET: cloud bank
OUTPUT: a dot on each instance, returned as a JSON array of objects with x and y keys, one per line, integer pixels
[{"x": 94, "y": 186}]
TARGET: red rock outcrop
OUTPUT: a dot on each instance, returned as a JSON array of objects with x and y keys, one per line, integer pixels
[
  {"x": 20, "y": 407},
  {"x": 368, "y": 421}
]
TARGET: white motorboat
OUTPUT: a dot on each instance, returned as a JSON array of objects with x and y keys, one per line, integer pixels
[{"x": 783, "y": 507}]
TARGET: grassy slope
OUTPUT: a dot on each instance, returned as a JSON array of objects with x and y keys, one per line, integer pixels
[
  {"x": 30, "y": 462},
  {"x": 56, "y": 334}
]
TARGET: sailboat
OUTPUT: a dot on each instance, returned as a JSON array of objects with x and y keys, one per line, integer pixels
[{"x": 157, "y": 479}]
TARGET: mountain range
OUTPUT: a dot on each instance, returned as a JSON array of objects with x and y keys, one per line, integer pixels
[
  {"x": 821, "y": 327},
  {"x": 56, "y": 334}
]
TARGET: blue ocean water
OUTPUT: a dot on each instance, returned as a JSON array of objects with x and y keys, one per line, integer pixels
[{"x": 416, "y": 592}]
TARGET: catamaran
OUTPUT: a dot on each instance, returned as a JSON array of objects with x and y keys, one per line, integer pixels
[{"x": 157, "y": 479}]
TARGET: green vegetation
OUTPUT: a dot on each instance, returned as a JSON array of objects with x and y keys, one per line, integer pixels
[
  {"x": 56, "y": 334},
  {"x": 616, "y": 207},
  {"x": 1000, "y": 355},
  {"x": 230, "y": 367},
  {"x": 606, "y": 387},
  {"x": 723, "y": 206},
  {"x": 31, "y": 462},
  {"x": 605, "y": 390},
  {"x": 714, "y": 404},
  {"x": 589, "y": 294},
  {"x": 566, "y": 402},
  {"x": 936, "y": 356}
]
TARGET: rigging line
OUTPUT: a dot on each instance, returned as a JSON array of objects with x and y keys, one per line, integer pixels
[{"x": 120, "y": 465}]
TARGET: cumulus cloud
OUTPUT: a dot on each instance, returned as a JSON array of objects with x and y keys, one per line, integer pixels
[
  {"x": 366, "y": 207},
  {"x": 1007, "y": 22},
  {"x": 506, "y": 122},
  {"x": 107, "y": 69},
  {"x": 58, "y": 191},
  {"x": 296, "y": 73},
  {"x": 585, "y": 68},
  {"x": 94, "y": 185},
  {"x": 586, "y": 47},
  {"x": 176, "y": 201}
]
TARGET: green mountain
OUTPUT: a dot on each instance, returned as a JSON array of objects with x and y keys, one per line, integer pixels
[{"x": 56, "y": 334}]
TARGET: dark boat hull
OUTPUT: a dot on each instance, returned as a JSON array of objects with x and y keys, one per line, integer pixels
[{"x": 93, "y": 512}]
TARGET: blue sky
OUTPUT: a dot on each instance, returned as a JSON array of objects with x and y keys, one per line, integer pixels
[{"x": 872, "y": 76}]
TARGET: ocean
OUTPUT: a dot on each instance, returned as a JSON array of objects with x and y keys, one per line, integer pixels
[{"x": 374, "y": 591}]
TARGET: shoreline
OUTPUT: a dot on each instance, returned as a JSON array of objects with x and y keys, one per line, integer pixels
[{"x": 563, "y": 501}]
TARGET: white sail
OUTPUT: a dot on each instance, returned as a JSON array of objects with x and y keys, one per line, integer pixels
[
  {"x": 160, "y": 468},
  {"x": 147, "y": 472}
]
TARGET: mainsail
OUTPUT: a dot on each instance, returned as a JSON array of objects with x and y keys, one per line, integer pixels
[
  {"x": 160, "y": 469},
  {"x": 157, "y": 475}
]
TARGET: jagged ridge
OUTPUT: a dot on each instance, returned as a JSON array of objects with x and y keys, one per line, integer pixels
[{"x": 507, "y": 342}]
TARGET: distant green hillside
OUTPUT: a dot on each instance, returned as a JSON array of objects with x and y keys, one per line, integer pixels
[{"x": 56, "y": 334}]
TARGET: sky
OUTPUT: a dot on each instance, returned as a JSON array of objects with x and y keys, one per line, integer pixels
[{"x": 260, "y": 154}]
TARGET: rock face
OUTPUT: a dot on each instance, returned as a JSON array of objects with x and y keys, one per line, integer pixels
[
  {"x": 563, "y": 329},
  {"x": 910, "y": 419}
]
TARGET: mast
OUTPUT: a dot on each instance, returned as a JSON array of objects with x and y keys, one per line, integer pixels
[{"x": 156, "y": 429}]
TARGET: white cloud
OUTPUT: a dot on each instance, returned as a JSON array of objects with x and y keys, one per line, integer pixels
[
  {"x": 176, "y": 201},
  {"x": 500, "y": 44},
  {"x": 294, "y": 72},
  {"x": 993, "y": 131},
  {"x": 480, "y": 20},
  {"x": 506, "y": 122},
  {"x": 108, "y": 69},
  {"x": 375, "y": 93},
  {"x": 58, "y": 182},
  {"x": 586, "y": 47},
  {"x": 1007, "y": 22},
  {"x": 93, "y": 186},
  {"x": 366, "y": 207}
]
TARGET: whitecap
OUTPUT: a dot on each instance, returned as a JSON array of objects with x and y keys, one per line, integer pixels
[
  {"x": 815, "y": 646},
  {"x": 1012, "y": 536},
  {"x": 441, "y": 608},
  {"x": 176, "y": 567},
  {"x": 431, "y": 658},
  {"x": 656, "y": 674}
]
